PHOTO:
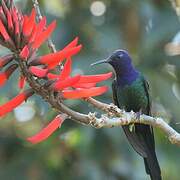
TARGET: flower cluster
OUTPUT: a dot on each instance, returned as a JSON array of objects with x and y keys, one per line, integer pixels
[{"x": 23, "y": 36}]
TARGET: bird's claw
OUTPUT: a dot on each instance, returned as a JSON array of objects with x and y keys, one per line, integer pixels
[{"x": 138, "y": 115}]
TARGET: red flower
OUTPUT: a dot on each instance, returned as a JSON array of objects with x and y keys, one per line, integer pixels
[
  {"x": 39, "y": 72},
  {"x": 95, "y": 78},
  {"x": 44, "y": 35},
  {"x": 83, "y": 93},
  {"x": 13, "y": 103},
  {"x": 24, "y": 54},
  {"x": 4, "y": 76},
  {"x": 29, "y": 24},
  {"x": 62, "y": 84},
  {"x": 3, "y": 31},
  {"x": 23, "y": 36},
  {"x": 47, "y": 131},
  {"x": 65, "y": 73},
  {"x": 5, "y": 60}
]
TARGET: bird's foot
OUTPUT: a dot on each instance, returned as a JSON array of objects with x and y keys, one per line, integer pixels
[
  {"x": 132, "y": 127},
  {"x": 138, "y": 115}
]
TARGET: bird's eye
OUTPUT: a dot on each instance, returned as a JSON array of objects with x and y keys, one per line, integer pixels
[{"x": 120, "y": 55}]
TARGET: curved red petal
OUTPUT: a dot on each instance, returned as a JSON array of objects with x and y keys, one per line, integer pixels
[
  {"x": 66, "y": 70},
  {"x": 84, "y": 85},
  {"x": 13, "y": 103},
  {"x": 3, "y": 31},
  {"x": 28, "y": 27},
  {"x": 5, "y": 60},
  {"x": 24, "y": 54},
  {"x": 37, "y": 71},
  {"x": 95, "y": 78},
  {"x": 59, "y": 85},
  {"x": 64, "y": 54},
  {"x": 3, "y": 79},
  {"x": 10, "y": 22},
  {"x": 47, "y": 131},
  {"x": 4, "y": 76},
  {"x": 53, "y": 59},
  {"x": 41, "y": 25},
  {"x": 25, "y": 22},
  {"x": 83, "y": 93},
  {"x": 44, "y": 35},
  {"x": 16, "y": 21},
  {"x": 52, "y": 76},
  {"x": 71, "y": 44},
  {"x": 38, "y": 29},
  {"x": 49, "y": 58}
]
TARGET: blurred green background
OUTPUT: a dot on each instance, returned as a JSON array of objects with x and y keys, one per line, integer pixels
[{"x": 77, "y": 152}]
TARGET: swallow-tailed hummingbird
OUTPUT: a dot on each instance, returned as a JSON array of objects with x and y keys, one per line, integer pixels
[{"x": 131, "y": 92}]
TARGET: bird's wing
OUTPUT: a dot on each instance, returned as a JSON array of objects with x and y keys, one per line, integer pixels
[
  {"x": 114, "y": 89},
  {"x": 135, "y": 139},
  {"x": 146, "y": 88},
  {"x": 148, "y": 109}
]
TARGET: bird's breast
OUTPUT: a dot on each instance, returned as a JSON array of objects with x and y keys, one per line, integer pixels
[{"x": 133, "y": 96}]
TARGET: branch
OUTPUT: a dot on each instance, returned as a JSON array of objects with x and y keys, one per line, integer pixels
[
  {"x": 113, "y": 116},
  {"x": 117, "y": 117}
]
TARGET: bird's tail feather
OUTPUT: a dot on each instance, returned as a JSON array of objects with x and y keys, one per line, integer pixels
[
  {"x": 152, "y": 166},
  {"x": 142, "y": 140}
]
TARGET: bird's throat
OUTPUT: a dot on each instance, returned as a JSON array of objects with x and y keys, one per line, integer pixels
[{"x": 126, "y": 75}]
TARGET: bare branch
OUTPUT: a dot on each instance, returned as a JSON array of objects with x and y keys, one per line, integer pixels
[{"x": 113, "y": 116}]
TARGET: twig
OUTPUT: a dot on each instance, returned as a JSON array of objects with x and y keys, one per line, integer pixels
[
  {"x": 118, "y": 117},
  {"x": 113, "y": 117}
]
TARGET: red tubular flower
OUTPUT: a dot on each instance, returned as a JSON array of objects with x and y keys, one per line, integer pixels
[
  {"x": 65, "y": 73},
  {"x": 3, "y": 79},
  {"x": 71, "y": 44},
  {"x": 53, "y": 59},
  {"x": 13, "y": 103},
  {"x": 28, "y": 26},
  {"x": 83, "y": 93},
  {"x": 41, "y": 25},
  {"x": 38, "y": 29},
  {"x": 22, "y": 81},
  {"x": 62, "y": 84},
  {"x": 23, "y": 36},
  {"x": 10, "y": 22},
  {"x": 24, "y": 54},
  {"x": 39, "y": 72},
  {"x": 52, "y": 76},
  {"x": 3, "y": 31},
  {"x": 25, "y": 22},
  {"x": 5, "y": 60},
  {"x": 16, "y": 22},
  {"x": 84, "y": 85},
  {"x": 44, "y": 35},
  {"x": 4, "y": 76},
  {"x": 47, "y": 131},
  {"x": 95, "y": 78},
  {"x": 67, "y": 53}
]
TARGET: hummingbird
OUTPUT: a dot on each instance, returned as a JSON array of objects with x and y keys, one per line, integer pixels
[{"x": 131, "y": 93}]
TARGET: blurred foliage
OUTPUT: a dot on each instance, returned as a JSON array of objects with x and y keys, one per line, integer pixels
[{"x": 83, "y": 153}]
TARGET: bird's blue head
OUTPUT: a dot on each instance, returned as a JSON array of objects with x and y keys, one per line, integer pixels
[
  {"x": 122, "y": 65},
  {"x": 119, "y": 60}
]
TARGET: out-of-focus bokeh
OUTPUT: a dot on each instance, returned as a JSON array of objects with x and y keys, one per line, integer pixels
[{"x": 150, "y": 31}]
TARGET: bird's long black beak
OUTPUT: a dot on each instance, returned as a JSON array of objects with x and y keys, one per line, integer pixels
[{"x": 100, "y": 62}]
